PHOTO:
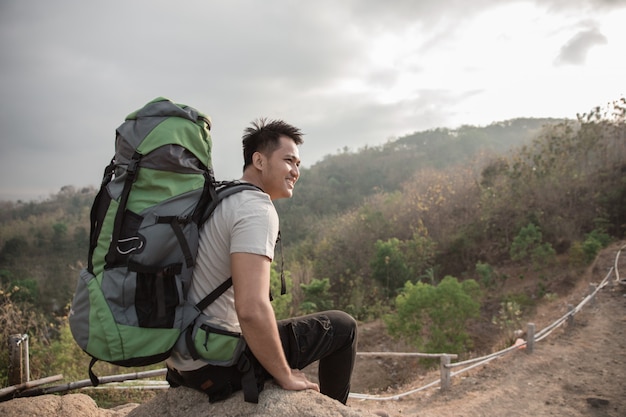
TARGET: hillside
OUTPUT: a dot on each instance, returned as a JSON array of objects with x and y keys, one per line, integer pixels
[
  {"x": 43, "y": 243},
  {"x": 375, "y": 227},
  {"x": 343, "y": 181},
  {"x": 575, "y": 371}
]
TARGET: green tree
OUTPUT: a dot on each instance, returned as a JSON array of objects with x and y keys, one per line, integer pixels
[
  {"x": 316, "y": 296},
  {"x": 485, "y": 271},
  {"x": 13, "y": 249},
  {"x": 593, "y": 243},
  {"x": 528, "y": 244},
  {"x": 434, "y": 318},
  {"x": 420, "y": 252},
  {"x": 389, "y": 265}
]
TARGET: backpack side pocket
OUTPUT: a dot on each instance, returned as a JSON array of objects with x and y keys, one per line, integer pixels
[{"x": 214, "y": 342}]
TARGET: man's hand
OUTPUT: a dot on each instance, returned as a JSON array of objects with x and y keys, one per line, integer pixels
[{"x": 298, "y": 381}]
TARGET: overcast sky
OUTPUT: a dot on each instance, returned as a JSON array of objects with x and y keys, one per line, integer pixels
[{"x": 349, "y": 73}]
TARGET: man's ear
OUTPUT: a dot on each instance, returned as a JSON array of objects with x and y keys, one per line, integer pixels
[{"x": 258, "y": 160}]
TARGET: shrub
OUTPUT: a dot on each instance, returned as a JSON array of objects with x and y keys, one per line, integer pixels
[
  {"x": 389, "y": 266},
  {"x": 576, "y": 254},
  {"x": 593, "y": 243},
  {"x": 508, "y": 319},
  {"x": 582, "y": 253},
  {"x": 316, "y": 296},
  {"x": 528, "y": 245},
  {"x": 434, "y": 318},
  {"x": 485, "y": 272}
]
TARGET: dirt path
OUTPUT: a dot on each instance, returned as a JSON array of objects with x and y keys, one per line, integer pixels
[{"x": 577, "y": 370}]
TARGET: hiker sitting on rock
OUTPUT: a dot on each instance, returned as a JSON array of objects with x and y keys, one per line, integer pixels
[{"x": 238, "y": 241}]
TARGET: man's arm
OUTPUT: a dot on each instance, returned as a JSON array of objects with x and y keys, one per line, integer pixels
[{"x": 251, "y": 284}]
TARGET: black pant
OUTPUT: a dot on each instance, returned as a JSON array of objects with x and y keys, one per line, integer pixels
[{"x": 329, "y": 336}]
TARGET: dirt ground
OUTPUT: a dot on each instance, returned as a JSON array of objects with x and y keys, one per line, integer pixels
[{"x": 577, "y": 370}]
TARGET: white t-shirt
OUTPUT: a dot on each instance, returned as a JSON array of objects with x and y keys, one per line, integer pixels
[{"x": 245, "y": 222}]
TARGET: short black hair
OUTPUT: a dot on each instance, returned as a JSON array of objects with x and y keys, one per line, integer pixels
[{"x": 264, "y": 136}]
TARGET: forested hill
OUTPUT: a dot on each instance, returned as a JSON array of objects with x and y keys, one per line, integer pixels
[
  {"x": 442, "y": 213},
  {"x": 40, "y": 239},
  {"x": 342, "y": 181}
]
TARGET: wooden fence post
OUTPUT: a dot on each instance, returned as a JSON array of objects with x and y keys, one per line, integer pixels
[
  {"x": 592, "y": 288},
  {"x": 25, "y": 358},
  {"x": 570, "y": 317},
  {"x": 15, "y": 359},
  {"x": 445, "y": 372},
  {"x": 530, "y": 338}
]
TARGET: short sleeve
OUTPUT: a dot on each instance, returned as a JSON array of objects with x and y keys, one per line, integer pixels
[{"x": 256, "y": 228}]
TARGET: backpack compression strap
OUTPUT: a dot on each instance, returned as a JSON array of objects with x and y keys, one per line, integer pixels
[
  {"x": 131, "y": 175},
  {"x": 175, "y": 222},
  {"x": 98, "y": 211}
]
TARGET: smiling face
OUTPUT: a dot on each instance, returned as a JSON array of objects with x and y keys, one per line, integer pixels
[{"x": 279, "y": 171}]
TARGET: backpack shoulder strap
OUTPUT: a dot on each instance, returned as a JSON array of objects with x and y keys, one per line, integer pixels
[
  {"x": 224, "y": 189},
  {"x": 214, "y": 295}
]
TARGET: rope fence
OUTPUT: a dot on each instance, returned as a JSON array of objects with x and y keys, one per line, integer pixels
[{"x": 445, "y": 368}]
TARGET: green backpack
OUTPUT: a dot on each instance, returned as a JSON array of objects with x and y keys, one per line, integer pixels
[{"x": 130, "y": 306}]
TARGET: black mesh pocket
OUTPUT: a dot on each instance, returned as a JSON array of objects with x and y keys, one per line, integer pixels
[{"x": 156, "y": 296}]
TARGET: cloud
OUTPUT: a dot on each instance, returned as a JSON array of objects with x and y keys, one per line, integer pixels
[
  {"x": 350, "y": 73},
  {"x": 575, "y": 51}
]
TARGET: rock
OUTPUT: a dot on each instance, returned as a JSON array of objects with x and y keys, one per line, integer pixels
[
  {"x": 174, "y": 402},
  {"x": 597, "y": 402},
  {"x": 273, "y": 401},
  {"x": 70, "y": 405}
]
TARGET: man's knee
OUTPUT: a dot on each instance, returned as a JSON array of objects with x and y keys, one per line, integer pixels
[{"x": 342, "y": 320}]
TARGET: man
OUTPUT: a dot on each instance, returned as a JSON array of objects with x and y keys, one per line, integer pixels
[{"x": 238, "y": 241}]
